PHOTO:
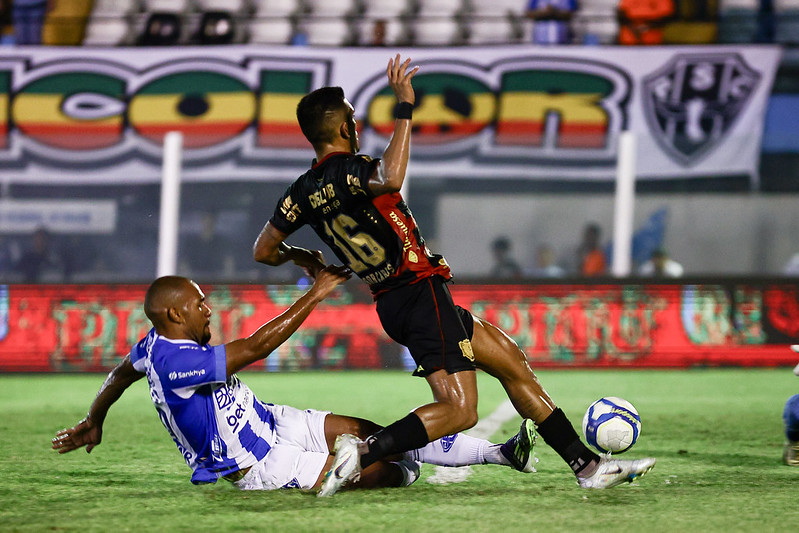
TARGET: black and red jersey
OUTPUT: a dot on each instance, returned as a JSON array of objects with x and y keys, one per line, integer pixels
[{"x": 376, "y": 236}]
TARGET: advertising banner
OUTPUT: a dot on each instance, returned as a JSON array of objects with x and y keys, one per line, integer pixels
[
  {"x": 68, "y": 328},
  {"x": 99, "y": 116}
]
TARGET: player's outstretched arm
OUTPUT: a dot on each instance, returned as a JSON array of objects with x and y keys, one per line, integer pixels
[
  {"x": 89, "y": 431},
  {"x": 390, "y": 173},
  {"x": 270, "y": 249},
  {"x": 268, "y": 337}
]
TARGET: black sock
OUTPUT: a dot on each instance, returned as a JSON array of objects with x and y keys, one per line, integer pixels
[
  {"x": 403, "y": 435},
  {"x": 558, "y": 432}
]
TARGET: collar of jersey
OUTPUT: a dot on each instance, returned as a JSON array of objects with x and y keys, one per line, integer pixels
[
  {"x": 179, "y": 341},
  {"x": 316, "y": 164}
]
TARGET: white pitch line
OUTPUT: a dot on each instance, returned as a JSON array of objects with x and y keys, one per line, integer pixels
[{"x": 486, "y": 427}]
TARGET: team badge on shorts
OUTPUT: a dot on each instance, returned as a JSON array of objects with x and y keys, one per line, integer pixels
[
  {"x": 692, "y": 102},
  {"x": 466, "y": 349}
]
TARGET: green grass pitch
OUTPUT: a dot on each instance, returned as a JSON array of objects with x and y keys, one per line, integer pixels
[{"x": 717, "y": 435}]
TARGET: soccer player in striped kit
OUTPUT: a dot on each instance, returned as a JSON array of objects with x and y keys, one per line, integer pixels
[{"x": 223, "y": 430}]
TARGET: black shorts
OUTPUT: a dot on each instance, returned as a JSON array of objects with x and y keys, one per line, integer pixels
[{"x": 423, "y": 317}]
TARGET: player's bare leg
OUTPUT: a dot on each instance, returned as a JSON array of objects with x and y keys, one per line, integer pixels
[
  {"x": 455, "y": 405},
  {"x": 336, "y": 425},
  {"x": 499, "y": 355}
]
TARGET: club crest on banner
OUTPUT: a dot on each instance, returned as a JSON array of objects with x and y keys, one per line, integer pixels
[{"x": 692, "y": 103}]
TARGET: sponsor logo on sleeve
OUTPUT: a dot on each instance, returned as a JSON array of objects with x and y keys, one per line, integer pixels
[{"x": 188, "y": 374}]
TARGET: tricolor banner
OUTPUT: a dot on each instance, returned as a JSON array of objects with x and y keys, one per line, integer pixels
[{"x": 88, "y": 115}]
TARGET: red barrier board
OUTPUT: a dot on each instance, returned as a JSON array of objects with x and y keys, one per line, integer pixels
[{"x": 87, "y": 328}]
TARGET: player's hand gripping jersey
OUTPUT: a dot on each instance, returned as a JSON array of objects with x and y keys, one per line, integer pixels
[
  {"x": 218, "y": 424},
  {"x": 376, "y": 236}
]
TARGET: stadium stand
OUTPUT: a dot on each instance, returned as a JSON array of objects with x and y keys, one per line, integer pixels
[
  {"x": 107, "y": 31},
  {"x": 595, "y": 22},
  {"x": 270, "y": 31},
  {"x": 440, "y": 8},
  {"x": 387, "y": 8},
  {"x": 381, "y": 31},
  {"x": 167, "y": 6},
  {"x": 436, "y": 32},
  {"x": 514, "y": 8},
  {"x": 65, "y": 22},
  {"x": 738, "y": 21},
  {"x": 786, "y": 18},
  {"x": 160, "y": 29},
  {"x": 492, "y": 30},
  {"x": 234, "y": 7},
  {"x": 216, "y": 27},
  {"x": 327, "y": 31},
  {"x": 332, "y": 8},
  {"x": 275, "y": 8}
]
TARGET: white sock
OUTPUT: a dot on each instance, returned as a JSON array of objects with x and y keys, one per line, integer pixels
[{"x": 459, "y": 450}]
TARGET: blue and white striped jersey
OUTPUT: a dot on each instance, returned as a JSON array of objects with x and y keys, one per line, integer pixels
[{"x": 217, "y": 423}]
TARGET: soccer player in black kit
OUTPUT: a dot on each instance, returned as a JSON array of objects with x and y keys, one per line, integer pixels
[{"x": 353, "y": 203}]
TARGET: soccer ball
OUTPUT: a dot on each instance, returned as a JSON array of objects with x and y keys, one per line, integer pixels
[{"x": 611, "y": 425}]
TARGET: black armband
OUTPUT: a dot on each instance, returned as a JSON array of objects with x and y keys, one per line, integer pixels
[{"x": 404, "y": 110}]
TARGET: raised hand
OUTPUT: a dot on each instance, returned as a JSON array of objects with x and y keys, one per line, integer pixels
[{"x": 399, "y": 79}]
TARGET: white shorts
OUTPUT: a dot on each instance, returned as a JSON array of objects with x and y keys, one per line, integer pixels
[{"x": 298, "y": 455}]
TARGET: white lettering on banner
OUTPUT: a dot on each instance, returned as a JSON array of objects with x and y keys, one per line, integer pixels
[
  {"x": 58, "y": 216},
  {"x": 99, "y": 115}
]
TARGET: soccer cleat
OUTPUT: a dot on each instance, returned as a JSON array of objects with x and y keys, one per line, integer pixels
[
  {"x": 790, "y": 455},
  {"x": 795, "y": 348},
  {"x": 346, "y": 465},
  {"x": 612, "y": 472},
  {"x": 519, "y": 449},
  {"x": 410, "y": 471}
]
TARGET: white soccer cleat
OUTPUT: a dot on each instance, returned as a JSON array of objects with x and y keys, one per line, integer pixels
[
  {"x": 346, "y": 465},
  {"x": 612, "y": 472},
  {"x": 795, "y": 348}
]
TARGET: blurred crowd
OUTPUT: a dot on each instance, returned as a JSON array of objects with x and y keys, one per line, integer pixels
[{"x": 397, "y": 22}]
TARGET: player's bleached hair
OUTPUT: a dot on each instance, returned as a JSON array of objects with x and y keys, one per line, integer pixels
[{"x": 317, "y": 114}]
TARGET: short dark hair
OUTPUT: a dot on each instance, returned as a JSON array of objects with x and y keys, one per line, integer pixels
[{"x": 314, "y": 113}]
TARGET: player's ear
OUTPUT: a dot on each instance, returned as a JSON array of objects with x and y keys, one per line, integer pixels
[
  {"x": 344, "y": 130},
  {"x": 174, "y": 315}
]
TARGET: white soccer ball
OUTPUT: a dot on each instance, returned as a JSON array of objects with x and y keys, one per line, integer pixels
[{"x": 611, "y": 425}]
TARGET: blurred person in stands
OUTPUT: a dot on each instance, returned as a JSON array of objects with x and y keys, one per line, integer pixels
[
  {"x": 505, "y": 266},
  {"x": 223, "y": 430},
  {"x": 546, "y": 265},
  {"x": 43, "y": 261},
  {"x": 9, "y": 255},
  {"x": 591, "y": 259},
  {"x": 377, "y": 36},
  {"x": 551, "y": 20},
  {"x": 28, "y": 16},
  {"x": 6, "y": 26},
  {"x": 641, "y": 22},
  {"x": 660, "y": 265},
  {"x": 353, "y": 203},
  {"x": 790, "y": 417},
  {"x": 207, "y": 252}
]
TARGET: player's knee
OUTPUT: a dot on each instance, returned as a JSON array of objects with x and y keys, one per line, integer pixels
[{"x": 465, "y": 417}]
